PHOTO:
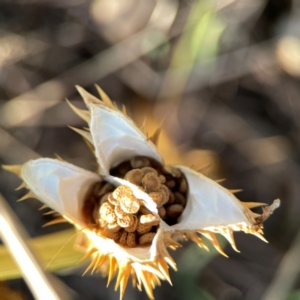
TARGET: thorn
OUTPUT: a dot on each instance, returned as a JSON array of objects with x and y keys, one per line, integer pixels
[
  {"x": 83, "y": 133},
  {"x": 30, "y": 194},
  {"x": 260, "y": 237},
  {"x": 50, "y": 212},
  {"x": 88, "y": 254},
  {"x": 154, "y": 138},
  {"x": 43, "y": 207},
  {"x": 87, "y": 97},
  {"x": 124, "y": 111},
  {"x": 229, "y": 236},
  {"x": 104, "y": 97},
  {"x": 220, "y": 180},
  {"x": 83, "y": 114},
  {"x": 211, "y": 236},
  {"x": 91, "y": 264},
  {"x": 235, "y": 191},
  {"x": 254, "y": 204},
  {"x": 13, "y": 168},
  {"x": 58, "y": 157},
  {"x": 55, "y": 221},
  {"x": 142, "y": 126},
  {"x": 23, "y": 185},
  {"x": 112, "y": 269},
  {"x": 205, "y": 169},
  {"x": 164, "y": 269}
]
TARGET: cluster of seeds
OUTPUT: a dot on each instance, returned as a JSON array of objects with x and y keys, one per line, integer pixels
[
  {"x": 119, "y": 215},
  {"x": 166, "y": 185}
]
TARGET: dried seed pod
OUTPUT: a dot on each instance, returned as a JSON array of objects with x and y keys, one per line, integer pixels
[
  {"x": 174, "y": 210},
  {"x": 112, "y": 200},
  {"x": 180, "y": 199},
  {"x": 131, "y": 240},
  {"x": 129, "y": 204},
  {"x": 114, "y": 227},
  {"x": 143, "y": 228},
  {"x": 162, "y": 212},
  {"x": 147, "y": 170},
  {"x": 157, "y": 197},
  {"x": 135, "y": 176},
  {"x": 149, "y": 219},
  {"x": 183, "y": 187},
  {"x": 144, "y": 210},
  {"x": 139, "y": 162},
  {"x": 146, "y": 238},
  {"x": 126, "y": 221},
  {"x": 121, "y": 191},
  {"x": 133, "y": 227},
  {"x": 151, "y": 182}
]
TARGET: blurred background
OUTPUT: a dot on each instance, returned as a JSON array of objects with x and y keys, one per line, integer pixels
[{"x": 226, "y": 76}]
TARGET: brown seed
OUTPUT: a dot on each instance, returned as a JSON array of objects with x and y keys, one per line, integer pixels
[
  {"x": 174, "y": 210},
  {"x": 144, "y": 210},
  {"x": 126, "y": 221},
  {"x": 147, "y": 170},
  {"x": 143, "y": 228},
  {"x": 133, "y": 227},
  {"x": 157, "y": 197},
  {"x": 131, "y": 240},
  {"x": 183, "y": 185},
  {"x": 162, "y": 212},
  {"x": 151, "y": 182},
  {"x": 119, "y": 211},
  {"x": 114, "y": 235},
  {"x": 171, "y": 198},
  {"x": 110, "y": 218},
  {"x": 106, "y": 209},
  {"x": 149, "y": 220},
  {"x": 170, "y": 183},
  {"x": 112, "y": 200},
  {"x": 123, "y": 238},
  {"x": 139, "y": 162},
  {"x": 172, "y": 171},
  {"x": 146, "y": 238},
  {"x": 165, "y": 192},
  {"x": 180, "y": 199},
  {"x": 134, "y": 176},
  {"x": 124, "y": 168},
  {"x": 114, "y": 227},
  {"x": 121, "y": 191},
  {"x": 129, "y": 204},
  {"x": 162, "y": 178}
]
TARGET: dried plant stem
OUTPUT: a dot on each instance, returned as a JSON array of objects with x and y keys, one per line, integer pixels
[
  {"x": 14, "y": 237},
  {"x": 286, "y": 274}
]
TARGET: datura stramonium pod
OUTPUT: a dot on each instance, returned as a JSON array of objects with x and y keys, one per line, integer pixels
[{"x": 135, "y": 206}]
